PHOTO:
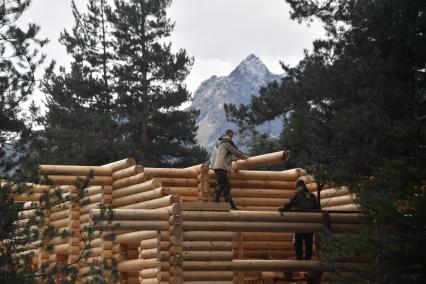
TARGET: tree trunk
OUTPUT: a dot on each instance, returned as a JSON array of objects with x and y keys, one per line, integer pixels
[{"x": 145, "y": 90}]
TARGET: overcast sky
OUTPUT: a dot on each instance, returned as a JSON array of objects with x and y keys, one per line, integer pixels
[{"x": 217, "y": 33}]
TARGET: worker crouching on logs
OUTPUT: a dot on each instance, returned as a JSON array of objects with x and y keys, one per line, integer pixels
[
  {"x": 302, "y": 199},
  {"x": 221, "y": 162}
]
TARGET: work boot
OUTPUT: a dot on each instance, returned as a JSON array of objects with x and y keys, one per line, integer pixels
[
  {"x": 228, "y": 199},
  {"x": 216, "y": 196}
]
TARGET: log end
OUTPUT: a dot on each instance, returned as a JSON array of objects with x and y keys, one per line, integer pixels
[
  {"x": 286, "y": 155},
  {"x": 174, "y": 198},
  {"x": 156, "y": 183},
  {"x": 130, "y": 162},
  {"x": 139, "y": 168}
]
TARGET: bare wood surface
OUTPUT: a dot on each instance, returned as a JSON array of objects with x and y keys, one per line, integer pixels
[
  {"x": 74, "y": 170},
  {"x": 261, "y": 160},
  {"x": 121, "y": 164}
]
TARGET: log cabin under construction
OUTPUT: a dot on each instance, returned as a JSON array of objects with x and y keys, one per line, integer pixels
[{"x": 158, "y": 225}]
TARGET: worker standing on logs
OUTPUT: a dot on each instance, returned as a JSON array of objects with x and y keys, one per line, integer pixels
[
  {"x": 303, "y": 199},
  {"x": 221, "y": 162}
]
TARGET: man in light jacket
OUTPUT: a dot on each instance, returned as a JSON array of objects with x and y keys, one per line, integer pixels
[{"x": 221, "y": 162}]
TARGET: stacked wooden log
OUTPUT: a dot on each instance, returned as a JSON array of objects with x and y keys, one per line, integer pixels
[
  {"x": 190, "y": 241},
  {"x": 153, "y": 251},
  {"x": 26, "y": 218},
  {"x": 206, "y": 247},
  {"x": 261, "y": 190},
  {"x": 261, "y": 160},
  {"x": 95, "y": 185},
  {"x": 67, "y": 175},
  {"x": 338, "y": 198},
  {"x": 137, "y": 188},
  {"x": 166, "y": 231},
  {"x": 150, "y": 241},
  {"x": 29, "y": 195},
  {"x": 255, "y": 245},
  {"x": 333, "y": 198},
  {"x": 182, "y": 182},
  {"x": 263, "y": 245},
  {"x": 121, "y": 172}
]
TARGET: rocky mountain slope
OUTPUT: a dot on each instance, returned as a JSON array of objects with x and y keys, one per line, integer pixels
[{"x": 236, "y": 88}]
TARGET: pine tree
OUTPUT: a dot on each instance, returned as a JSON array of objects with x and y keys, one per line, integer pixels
[
  {"x": 150, "y": 86},
  {"x": 23, "y": 233},
  {"x": 356, "y": 117},
  {"x": 80, "y": 124},
  {"x": 19, "y": 60}
]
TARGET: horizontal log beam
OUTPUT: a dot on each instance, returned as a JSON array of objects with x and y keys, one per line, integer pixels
[
  {"x": 74, "y": 170},
  {"x": 172, "y": 172},
  {"x": 71, "y": 180},
  {"x": 262, "y": 192},
  {"x": 131, "y": 225},
  {"x": 253, "y": 265},
  {"x": 268, "y": 227},
  {"x": 333, "y": 192},
  {"x": 264, "y": 216},
  {"x": 140, "y": 197},
  {"x": 289, "y": 175},
  {"x": 261, "y": 160},
  {"x": 155, "y": 203},
  {"x": 136, "y": 264},
  {"x": 264, "y": 236},
  {"x": 265, "y": 246},
  {"x": 130, "y": 214},
  {"x": 122, "y": 164},
  {"x": 136, "y": 188},
  {"x": 178, "y": 182},
  {"x": 207, "y": 236},
  {"x": 207, "y": 246},
  {"x": 260, "y": 201},
  {"x": 139, "y": 178},
  {"x": 338, "y": 200},
  {"x": 272, "y": 184},
  {"x": 344, "y": 207},
  {"x": 184, "y": 191},
  {"x": 207, "y": 276},
  {"x": 127, "y": 172},
  {"x": 208, "y": 255}
]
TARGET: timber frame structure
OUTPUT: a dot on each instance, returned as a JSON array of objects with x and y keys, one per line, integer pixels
[{"x": 165, "y": 229}]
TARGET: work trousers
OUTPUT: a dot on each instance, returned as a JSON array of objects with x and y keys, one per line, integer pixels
[
  {"x": 222, "y": 185},
  {"x": 299, "y": 239}
]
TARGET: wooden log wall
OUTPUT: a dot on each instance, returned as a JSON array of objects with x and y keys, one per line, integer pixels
[
  {"x": 166, "y": 223},
  {"x": 260, "y": 190},
  {"x": 183, "y": 182},
  {"x": 206, "y": 247},
  {"x": 142, "y": 188},
  {"x": 189, "y": 242}
]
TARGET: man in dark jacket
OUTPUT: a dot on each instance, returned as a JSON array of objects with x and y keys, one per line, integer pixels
[
  {"x": 302, "y": 200},
  {"x": 221, "y": 162}
]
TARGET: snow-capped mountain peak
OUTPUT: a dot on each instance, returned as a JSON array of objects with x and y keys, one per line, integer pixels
[
  {"x": 252, "y": 66},
  {"x": 236, "y": 88}
]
